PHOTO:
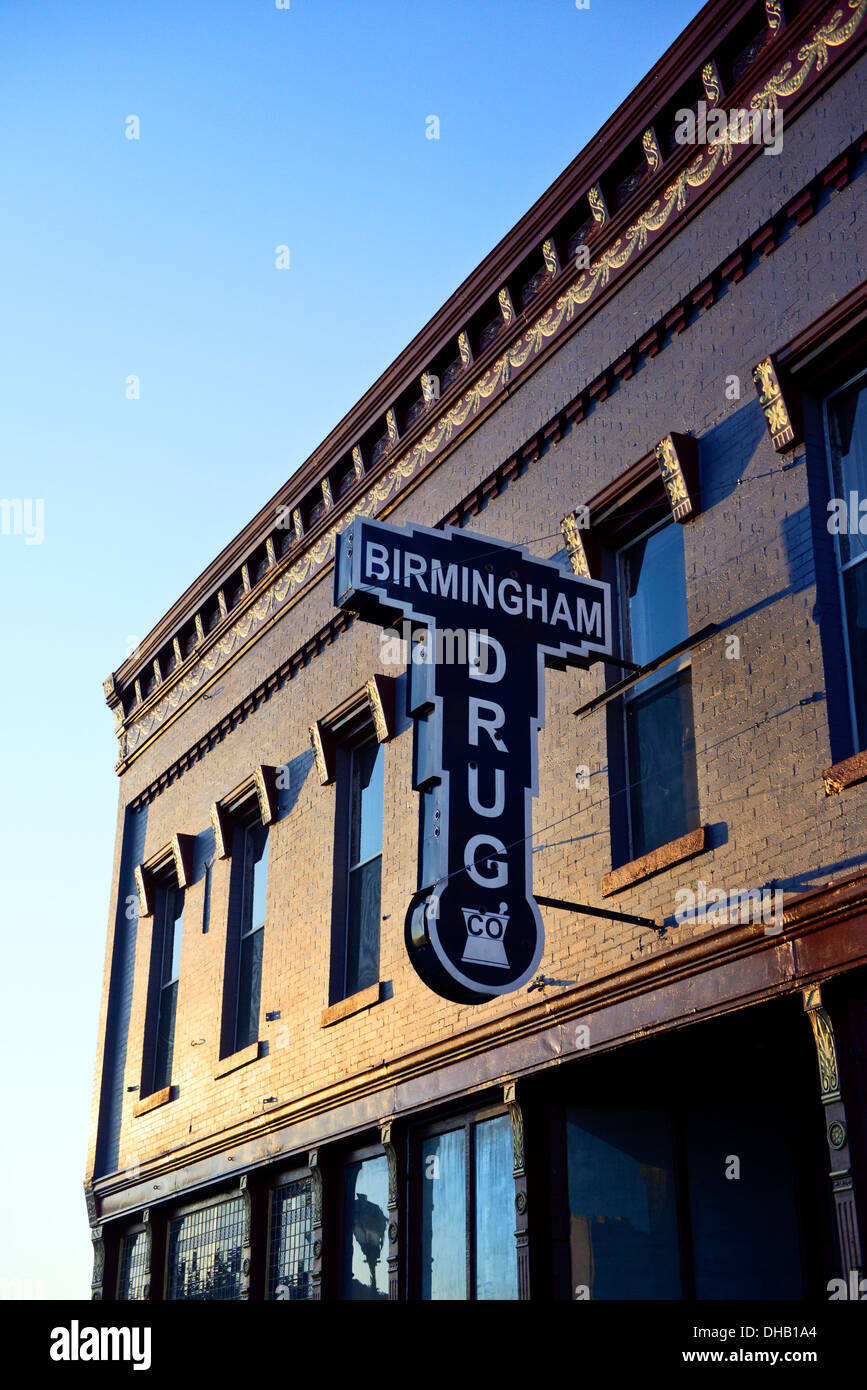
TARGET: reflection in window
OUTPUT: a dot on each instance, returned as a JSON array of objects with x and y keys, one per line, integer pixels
[
  {"x": 204, "y": 1260},
  {"x": 255, "y": 877},
  {"x": 660, "y": 744},
  {"x": 654, "y": 593},
  {"x": 132, "y": 1282},
  {"x": 496, "y": 1272},
  {"x": 170, "y": 917},
  {"x": 365, "y": 1223},
  {"x": 646, "y": 1224},
  {"x": 444, "y": 1216},
  {"x": 622, "y": 1214},
  {"x": 468, "y": 1251},
  {"x": 661, "y": 775},
  {"x": 847, "y": 428},
  {"x": 744, "y": 1231},
  {"x": 291, "y": 1228},
  {"x": 365, "y": 866}
]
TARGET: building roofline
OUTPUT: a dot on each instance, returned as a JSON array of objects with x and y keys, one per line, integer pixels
[{"x": 680, "y": 63}]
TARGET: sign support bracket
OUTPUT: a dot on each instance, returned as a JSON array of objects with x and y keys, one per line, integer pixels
[{"x": 588, "y": 911}]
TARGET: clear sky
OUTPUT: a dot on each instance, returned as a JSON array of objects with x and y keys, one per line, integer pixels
[{"x": 154, "y": 257}]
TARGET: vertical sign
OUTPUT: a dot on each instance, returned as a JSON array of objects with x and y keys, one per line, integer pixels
[{"x": 494, "y": 617}]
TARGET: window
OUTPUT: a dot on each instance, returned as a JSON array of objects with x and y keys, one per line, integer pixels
[
  {"x": 365, "y": 1223},
  {"x": 240, "y": 823},
  {"x": 465, "y": 1210},
  {"x": 204, "y": 1255},
  {"x": 250, "y": 874},
  {"x": 165, "y": 973},
  {"x": 290, "y": 1256},
  {"x": 358, "y": 866},
  {"x": 653, "y": 1212},
  {"x": 681, "y": 1172},
  {"x": 658, "y": 738},
  {"x": 133, "y": 1267},
  {"x": 622, "y": 1216},
  {"x": 846, "y": 416}
]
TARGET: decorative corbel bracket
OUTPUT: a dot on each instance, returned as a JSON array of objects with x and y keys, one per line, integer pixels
[
  {"x": 580, "y": 545},
  {"x": 836, "y": 1130},
  {"x": 677, "y": 457},
  {"x": 324, "y": 751},
  {"x": 780, "y": 404},
  {"x": 380, "y": 691}
]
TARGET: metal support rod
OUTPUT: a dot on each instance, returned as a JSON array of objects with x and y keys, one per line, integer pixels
[
  {"x": 598, "y": 912},
  {"x": 625, "y": 665}
]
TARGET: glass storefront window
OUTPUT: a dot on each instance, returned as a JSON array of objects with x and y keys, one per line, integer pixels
[
  {"x": 496, "y": 1267},
  {"x": 622, "y": 1211},
  {"x": 467, "y": 1202},
  {"x": 365, "y": 1224},
  {"x": 444, "y": 1216},
  {"x": 289, "y": 1265}
]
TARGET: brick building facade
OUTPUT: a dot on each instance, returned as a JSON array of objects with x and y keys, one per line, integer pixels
[{"x": 676, "y": 1106}]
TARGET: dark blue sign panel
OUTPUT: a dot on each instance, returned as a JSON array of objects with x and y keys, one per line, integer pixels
[{"x": 495, "y": 616}]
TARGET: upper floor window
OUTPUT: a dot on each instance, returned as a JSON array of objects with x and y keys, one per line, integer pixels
[
  {"x": 658, "y": 735},
  {"x": 250, "y": 870},
  {"x": 847, "y": 436},
  {"x": 360, "y": 771},
  {"x": 165, "y": 973},
  {"x": 240, "y": 822}
]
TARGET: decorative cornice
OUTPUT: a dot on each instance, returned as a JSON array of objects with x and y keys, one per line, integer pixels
[{"x": 708, "y": 30}]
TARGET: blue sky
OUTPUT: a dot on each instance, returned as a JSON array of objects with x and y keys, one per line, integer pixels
[{"x": 259, "y": 127}]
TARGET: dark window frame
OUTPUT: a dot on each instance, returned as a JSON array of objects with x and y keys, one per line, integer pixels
[
  {"x": 336, "y": 1230},
  {"x": 625, "y": 846},
  {"x": 216, "y": 1198},
  {"x": 465, "y": 1120},
  {"x": 164, "y": 881},
  {"x": 628, "y": 509},
  {"x": 607, "y": 1083},
  {"x": 245, "y": 818},
  {"x": 127, "y": 1232},
  {"x": 858, "y": 734},
  {"x": 827, "y": 355},
  {"x": 358, "y": 731},
  {"x": 253, "y": 801},
  {"x": 283, "y": 1177}
]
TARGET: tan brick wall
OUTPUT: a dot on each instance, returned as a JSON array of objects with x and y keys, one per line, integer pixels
[{"x": 760, "y": 789}]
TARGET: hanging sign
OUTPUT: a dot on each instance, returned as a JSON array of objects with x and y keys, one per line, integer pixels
[{"x": 493, "y": 616}]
